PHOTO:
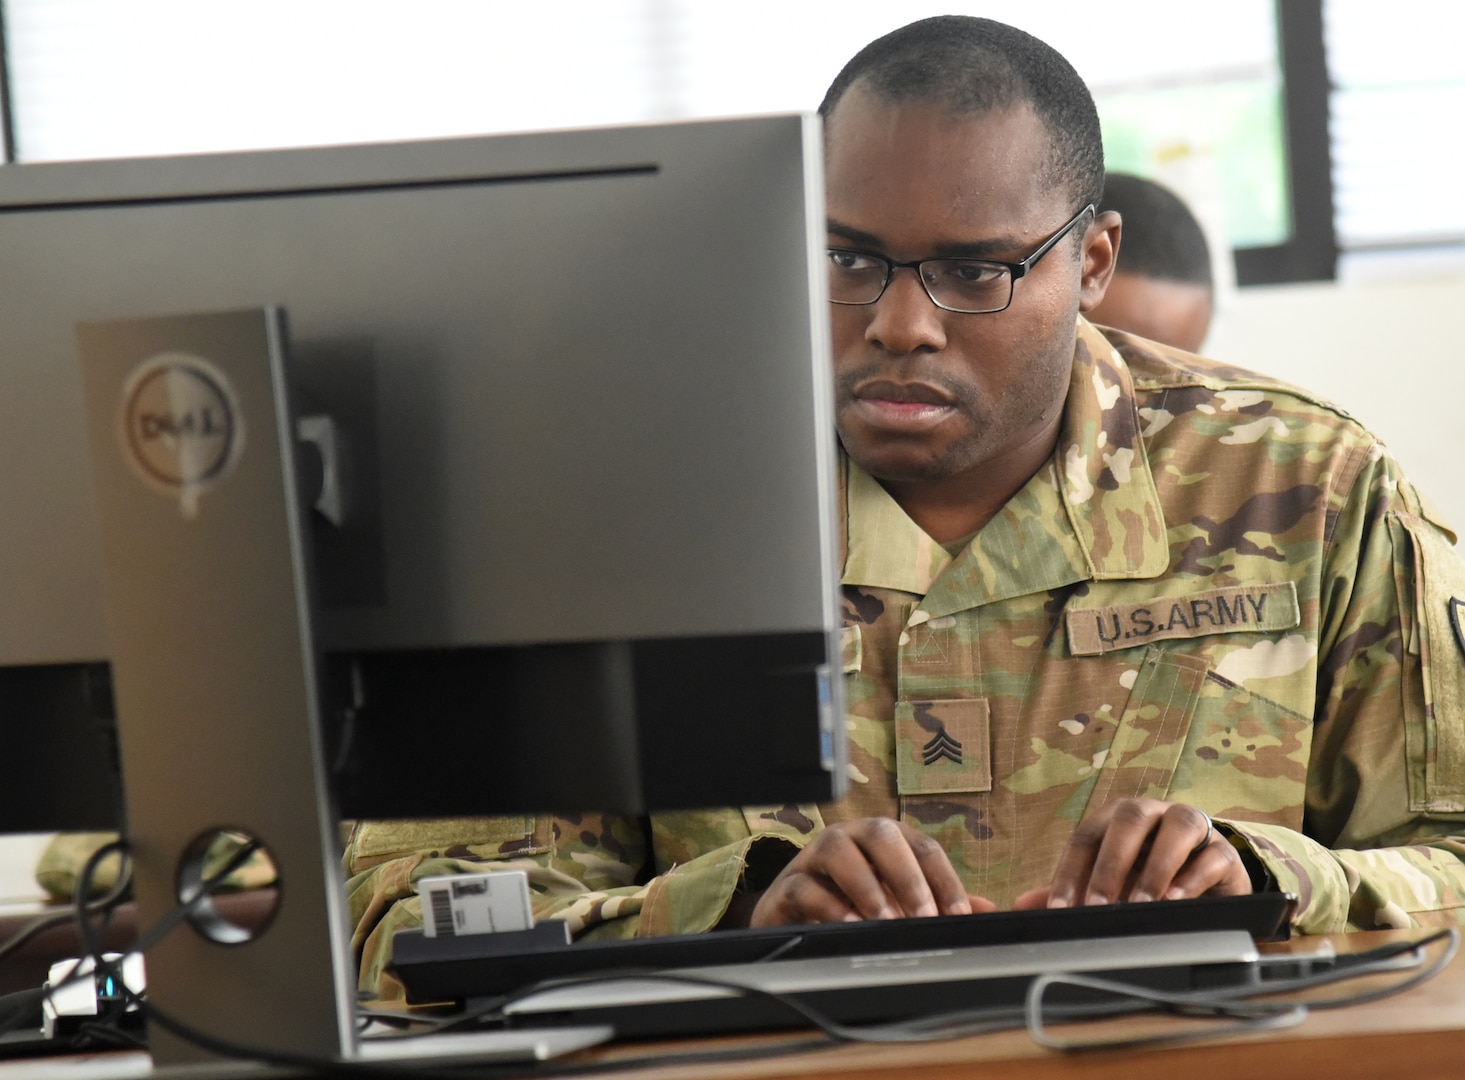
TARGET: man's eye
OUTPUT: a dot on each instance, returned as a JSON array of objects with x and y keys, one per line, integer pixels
[
  {"x": 853, "y": 261},
  {"x": 973, "y": 273}
]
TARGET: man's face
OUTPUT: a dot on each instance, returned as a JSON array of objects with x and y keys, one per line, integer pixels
[{"x": 925, "y": 395}]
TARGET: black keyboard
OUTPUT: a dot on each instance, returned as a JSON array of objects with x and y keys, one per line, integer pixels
[{"x": 441, "y": 969}]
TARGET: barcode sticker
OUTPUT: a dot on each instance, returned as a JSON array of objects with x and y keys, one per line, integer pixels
[
  {"x": 462, "y": 904},
  {"x": 441, "y": 903}
]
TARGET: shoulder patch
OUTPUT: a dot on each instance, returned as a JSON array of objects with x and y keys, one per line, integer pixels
[
  {"x": 1457, "y": 620},
  {"x": 1231, "y": 609}
]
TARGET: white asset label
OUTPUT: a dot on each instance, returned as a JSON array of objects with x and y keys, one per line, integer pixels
[{"x": 462, "y": 904}]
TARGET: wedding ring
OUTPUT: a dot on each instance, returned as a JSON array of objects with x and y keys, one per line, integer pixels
[{"x": 1210, "y": 832}]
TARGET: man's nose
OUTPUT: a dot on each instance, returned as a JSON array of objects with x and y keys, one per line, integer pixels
[{"x": 905, "y": 319}]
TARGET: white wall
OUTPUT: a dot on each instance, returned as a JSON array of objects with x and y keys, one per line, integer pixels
[
  {"x": 1391, "y": 354},
  {"x": 18, "y": 855}
]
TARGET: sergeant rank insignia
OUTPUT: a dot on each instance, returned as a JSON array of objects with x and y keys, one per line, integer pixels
[{"x": 941, "y": 746}]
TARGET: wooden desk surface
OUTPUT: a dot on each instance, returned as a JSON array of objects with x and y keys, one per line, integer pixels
[{"x": 1415, "y": 1035}]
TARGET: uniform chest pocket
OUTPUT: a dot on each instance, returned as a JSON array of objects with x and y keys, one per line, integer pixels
[
  {"x": 1246, "y": 757},
  {"x": 1186, "y": 735},
  {"x": 1141, "y": 759},
  {"x": 943, "y": 746}
]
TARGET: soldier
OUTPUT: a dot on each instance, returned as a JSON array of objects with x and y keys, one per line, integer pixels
[
  {"x": 1121, "y": 623},
  {"x": 1161, "y": 288}
]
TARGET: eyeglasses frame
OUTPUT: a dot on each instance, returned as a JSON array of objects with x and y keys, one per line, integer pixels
[{"x": 1015, "y": 271}]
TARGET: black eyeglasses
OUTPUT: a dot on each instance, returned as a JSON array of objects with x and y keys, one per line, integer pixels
[{"x": 968, "y": 286}]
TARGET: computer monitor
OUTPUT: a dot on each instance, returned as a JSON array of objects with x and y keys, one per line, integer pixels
[
  {"x": 60, "y": 729},
  {"x": 581, "y": 380},
  {"x": 574, "y": 387}
]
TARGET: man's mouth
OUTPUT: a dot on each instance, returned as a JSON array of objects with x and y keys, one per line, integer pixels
[
  {"x": 903, "y": 393},
  {"x": 902, "y": 406}
]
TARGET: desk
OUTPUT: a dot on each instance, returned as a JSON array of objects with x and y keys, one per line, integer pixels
[{"x": 1416, "y": 1035}]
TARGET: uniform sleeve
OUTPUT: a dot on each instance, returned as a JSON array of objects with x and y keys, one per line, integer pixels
[
  {"x": 608, "y": 877},
  {"x": 1420, "y": 884},
  {"x": 65, "y": 856},
  {"x": 1384, "y": 823}
]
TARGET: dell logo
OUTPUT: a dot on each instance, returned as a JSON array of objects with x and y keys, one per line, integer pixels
[
  {"x": 207, "y": 423},
  {"x": 181, "y": 426}
]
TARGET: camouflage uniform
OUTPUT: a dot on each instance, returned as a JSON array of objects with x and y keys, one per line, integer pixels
[{"x": 1221, "y": 591}]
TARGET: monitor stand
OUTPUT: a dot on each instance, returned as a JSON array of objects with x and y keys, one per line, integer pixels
[{"x": 210, "y": 611}]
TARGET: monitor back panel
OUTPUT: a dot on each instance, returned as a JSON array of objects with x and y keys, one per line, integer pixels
[{"x": 583, "y": 375}]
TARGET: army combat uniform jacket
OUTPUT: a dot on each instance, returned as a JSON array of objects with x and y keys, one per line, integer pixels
[{"x": 1220, "y": 591}]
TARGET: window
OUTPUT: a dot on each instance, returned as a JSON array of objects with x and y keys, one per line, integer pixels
[
  {"x": 1233, "y": 114},
  {"x": 1396, "y": 100}
]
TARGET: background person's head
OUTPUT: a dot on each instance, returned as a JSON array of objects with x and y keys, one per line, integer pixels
[
  {"x": 1162, "y": 287},
  {"x": 960, "y": 138}
]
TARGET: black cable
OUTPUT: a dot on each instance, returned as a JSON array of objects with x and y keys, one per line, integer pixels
[
  {"x": 213, "y": 1044},
  {"x": 1371, "y": 962},
  {"x": 1236, "y": 1014},
  {"x": 957, "y": 1024},
  {"x": 20, "y": 1007},
  {"x": 833, "y": 1033},
  {"x": 205, "y": 889},
  {"x": 488, "y": 1006},
  {"x": 25, "y": 1006},
  {"x": 1237, "y": 1004},
  {"x": 923, "y": 1029},
  {"x": 375, "y": 1070},
  {"x": 81, "y": 910},
  {"x": 83, "y": 888},
  {"x": 960, "y": 1023},
  {"x": 40, "y": 923}
]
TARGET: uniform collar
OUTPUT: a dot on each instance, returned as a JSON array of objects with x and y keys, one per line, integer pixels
[{"x": 1091, "y": 513}]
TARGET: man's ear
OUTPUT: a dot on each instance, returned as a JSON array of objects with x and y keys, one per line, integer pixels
[{"x": 1100, "y": 254}]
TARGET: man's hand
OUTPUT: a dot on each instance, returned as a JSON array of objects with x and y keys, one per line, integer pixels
[
  {"x": 871, "y": 868},
  {"x": 1142, "y": 849}
]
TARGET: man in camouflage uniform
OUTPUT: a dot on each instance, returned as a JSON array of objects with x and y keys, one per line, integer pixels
[
  {"x": 1121, "y": 623},
  {"x": 1162, "y": 286}
]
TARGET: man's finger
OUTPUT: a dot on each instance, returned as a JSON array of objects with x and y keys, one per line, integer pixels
[
  {"x": 865, "y": 865},
  {"x": 1098, "y": 863},
  {"x": 873, "y": 868},
  {"x": 1182, "y": 832},
  {"x": 1123, "y": 849},
  {"x": 1113, "y": 844},
  {"x": 1071, "y": 878},
  {"x": 889, "y": 848},
  {"x": 801, "y": 898},
  {"x": 946, "y": 888},
  {"x": 1216, "y": 869},
  {"x": 1033, "y": 899}
]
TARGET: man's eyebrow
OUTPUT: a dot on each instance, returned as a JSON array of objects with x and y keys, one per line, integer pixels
[
  {"x": 978, "y": 249},
  {"x": 854, "y": 236}
]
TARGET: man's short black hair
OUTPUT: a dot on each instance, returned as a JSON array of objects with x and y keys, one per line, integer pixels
[
  {"x": 1161, "y": 238},
  {"x": 977, "y": 65}
]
